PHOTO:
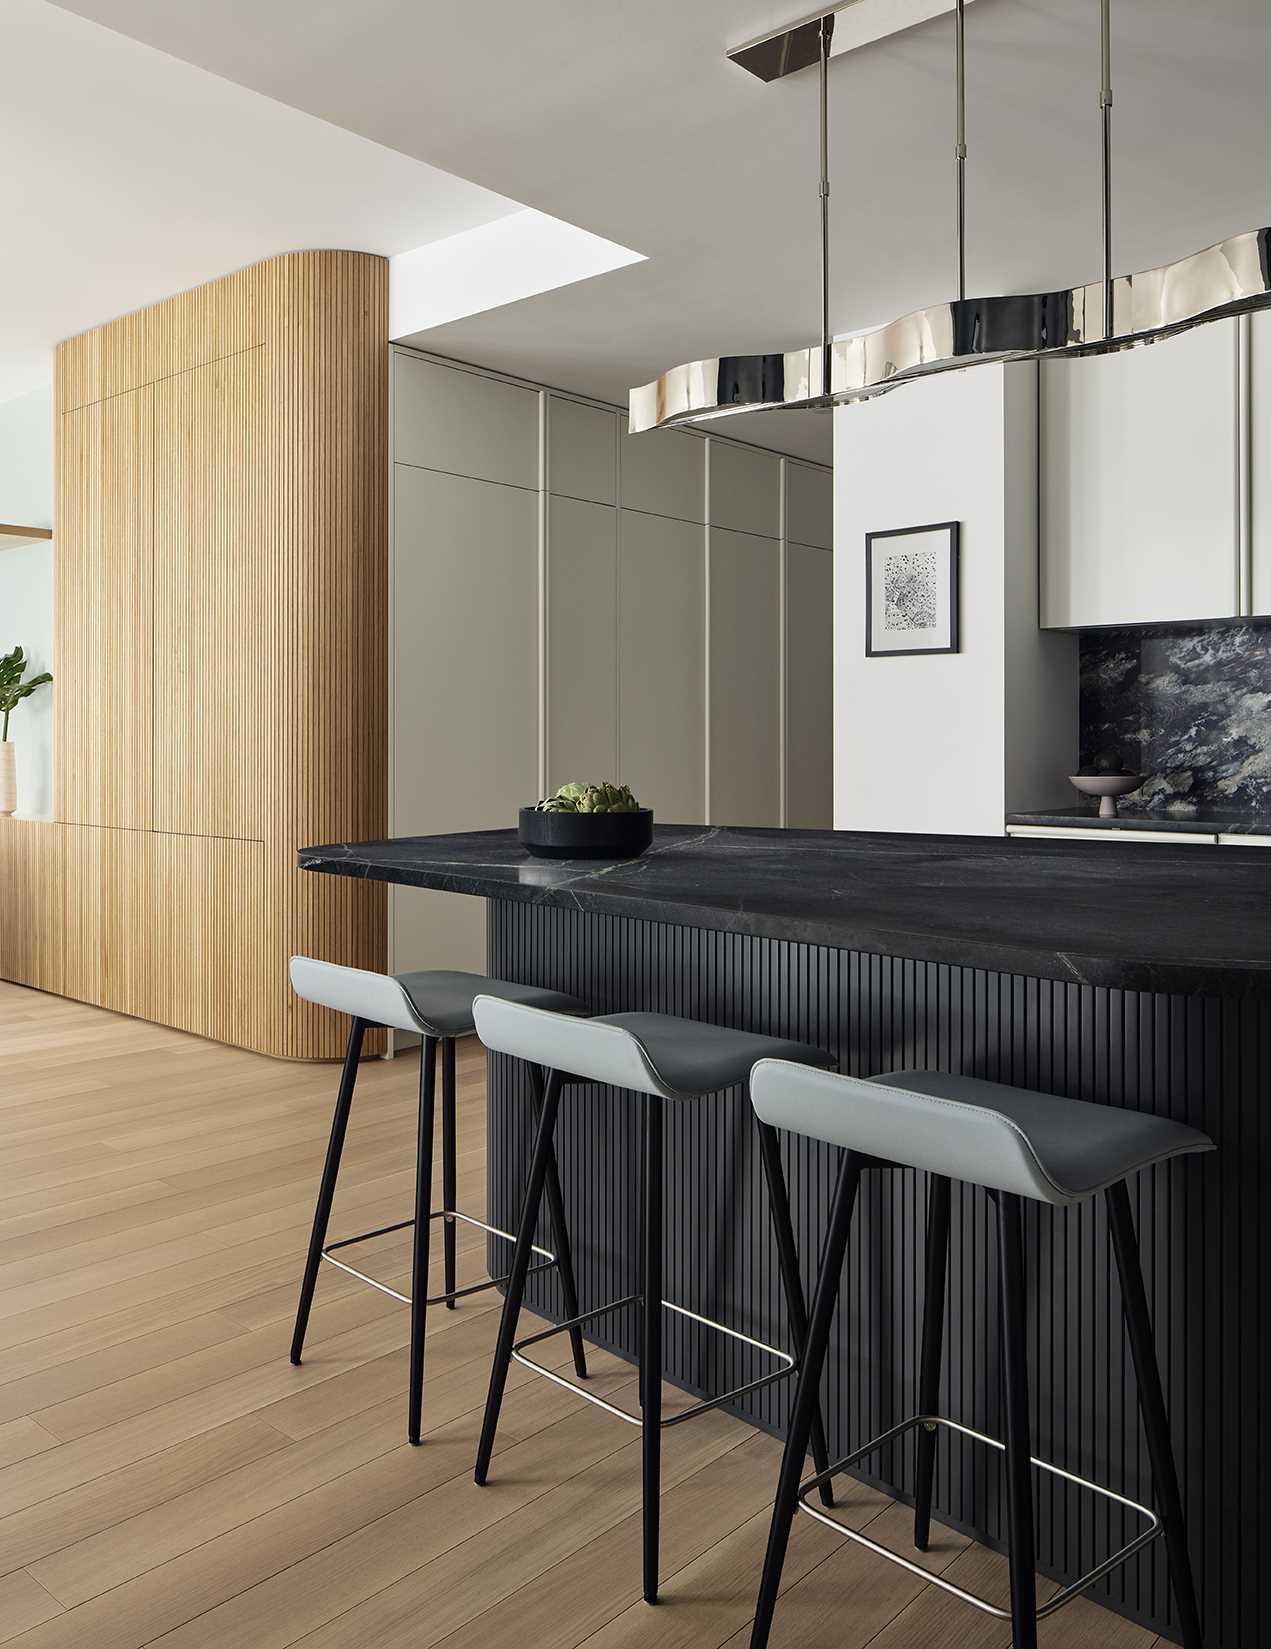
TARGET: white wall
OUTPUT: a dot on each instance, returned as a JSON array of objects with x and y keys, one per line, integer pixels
[
  {"x": 26, "y": 584},
  {"x": 953, "y": 742}
]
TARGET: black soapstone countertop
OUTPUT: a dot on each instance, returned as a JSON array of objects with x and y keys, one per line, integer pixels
[{"x": 1147, "y": 917}]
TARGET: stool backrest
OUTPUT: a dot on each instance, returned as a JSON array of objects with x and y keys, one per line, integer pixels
[
  {"x": 578, "y": 1047},
  {"x": 374, "y": 997},
  {"x": 942, "y": 1136}
]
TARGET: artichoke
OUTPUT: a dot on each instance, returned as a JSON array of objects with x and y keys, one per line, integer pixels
[{"x": 590, "y": 798}]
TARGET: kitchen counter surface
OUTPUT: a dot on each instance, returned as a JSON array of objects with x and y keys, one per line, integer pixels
[{"x": 1165, "y": 920}]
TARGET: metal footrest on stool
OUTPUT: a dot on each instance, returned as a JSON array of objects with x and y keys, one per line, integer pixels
[
  {"x": 933, "y": 1420},
  {"x": 789, "y": 1363},
  {"x": 328, "y": 1254}
]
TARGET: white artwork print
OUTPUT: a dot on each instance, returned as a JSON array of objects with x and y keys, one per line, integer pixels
[{"x": 910, "y": 585}]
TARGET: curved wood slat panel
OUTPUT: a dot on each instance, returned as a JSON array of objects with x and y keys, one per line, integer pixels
[{"x": 222, "y": 615}]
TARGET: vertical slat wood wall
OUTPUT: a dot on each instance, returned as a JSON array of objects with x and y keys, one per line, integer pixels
[{"x": 221, "y": 610}]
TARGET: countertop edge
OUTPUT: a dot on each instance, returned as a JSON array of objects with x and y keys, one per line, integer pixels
[{"x": 1189, "y": 978}]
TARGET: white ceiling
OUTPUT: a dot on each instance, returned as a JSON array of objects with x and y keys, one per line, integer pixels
[
  {"x": 626, "y": 119},
  {"x": 129, "y": 175}
]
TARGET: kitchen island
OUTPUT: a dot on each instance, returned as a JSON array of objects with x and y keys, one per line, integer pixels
[{"x": 1135, "y": 976}]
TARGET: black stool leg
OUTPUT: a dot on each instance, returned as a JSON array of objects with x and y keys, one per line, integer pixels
[
  {"x": 521, "y": 1256},
  {"x": 326, "y": 1188},
  {"x": 651, "y": 1341},
  {"x": 449, "y": 1168},
  {"x": 560, "y": 1232},
  {"x": 423, "y": 1232},
  {"x": 807, "y": 1396},
  {"x": 1019, "y": 1473},
  {"x": 932, "y": 1349},
  {"x": 1138, "y": 1325},
  {"x": 788, "y": 1256}
]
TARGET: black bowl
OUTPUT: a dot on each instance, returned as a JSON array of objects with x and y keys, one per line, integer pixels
[{"x": 586, "y": 835}]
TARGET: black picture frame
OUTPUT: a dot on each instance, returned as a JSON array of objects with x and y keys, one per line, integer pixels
[{"x": 953, "y": 533}]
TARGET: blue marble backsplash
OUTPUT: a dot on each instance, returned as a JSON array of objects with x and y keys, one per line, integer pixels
[{"x": 1190, "y": 708}]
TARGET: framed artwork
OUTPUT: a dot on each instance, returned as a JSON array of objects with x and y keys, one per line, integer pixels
[{"x": 911, "y": 590}]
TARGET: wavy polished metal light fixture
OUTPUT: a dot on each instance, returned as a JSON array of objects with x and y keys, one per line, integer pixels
[{"x": 1107, "y": 315}]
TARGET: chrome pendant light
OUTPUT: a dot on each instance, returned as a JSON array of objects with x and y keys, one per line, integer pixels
[{"x": 1109, "y": 314}]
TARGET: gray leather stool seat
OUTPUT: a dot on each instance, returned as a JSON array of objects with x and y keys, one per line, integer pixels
[
  {"x": 664, "y": 1058},
  {"x": 434, "y": 1002},
  {"x": 1017, "y": 1144},
  {"x": 438, "y": 1006},
  {"x": 1034, "y": 1145},
  {"x": 649, "y": 1053}
]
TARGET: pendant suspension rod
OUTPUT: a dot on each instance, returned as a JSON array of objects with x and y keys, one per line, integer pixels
[
  {"x": 1105, "y": 107},
  {"x": 827, "y": 34},
  {"x": 959, "y": 37}
]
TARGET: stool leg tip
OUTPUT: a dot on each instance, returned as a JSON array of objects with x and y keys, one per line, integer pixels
[{"x": 295, "y": 1359}]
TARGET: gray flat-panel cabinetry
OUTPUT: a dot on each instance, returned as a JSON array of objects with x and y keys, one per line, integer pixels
[
  {"x": 664, "y": 473},
  {"x": 809, "y": 698},
  {"x": 465, "y": 699},
  {"x": 662, "y": 664},
  {"x": 582, "y": 633},
  {"x": 744, "y": 658},
  {"x": 745, "y": 490},
  {"x": 1140, "y": 483},
  {"x": 809, "y": 506},
  {"x": 550, "y": 622},
  {"x": 582, "y": 451},
  {"x": 446, "y": 418}
]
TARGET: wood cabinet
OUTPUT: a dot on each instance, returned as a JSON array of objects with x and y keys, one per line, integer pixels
[
  {"x": 220, "y": 601},
  {"x": 168, "y": 928},
  {"x": 211, "y": 597},
  {"x": 104, "y": 613},
  {"x": 33, "y": 890},
  {"x": 1140, "y": 483},
  {"x": 745, "y": 675}
]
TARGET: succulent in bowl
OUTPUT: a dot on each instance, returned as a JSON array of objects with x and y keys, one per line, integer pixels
[{"x": 590, "y": 798}]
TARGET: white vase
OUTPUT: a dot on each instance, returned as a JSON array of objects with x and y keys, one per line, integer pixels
[{"x": 8, "y": 777}]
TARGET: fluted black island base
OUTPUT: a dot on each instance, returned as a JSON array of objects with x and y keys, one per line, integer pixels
[{"x": 1132, "y": 976}]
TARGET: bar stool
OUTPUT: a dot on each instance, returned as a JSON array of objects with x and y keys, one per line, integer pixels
[
  {"x": 1017, "y": 1144},
  {"x": 663, "y": 1058},
  {"x": 438, "y": 1006}
]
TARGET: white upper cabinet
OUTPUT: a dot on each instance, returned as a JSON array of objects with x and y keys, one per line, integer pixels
[
  {"x": 664, "y": 473},
  {"x": 464, "y": 423},
  {"x": 809, "y": 505},
  {"x": 582, "y": 451},
  {"x": 1140, "y": 483},
  {"x": 745, "y": 489},
  {"x": 1259, "y": 579}
]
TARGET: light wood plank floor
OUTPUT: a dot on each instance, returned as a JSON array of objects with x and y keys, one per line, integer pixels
[{"x": 167, "y": 1477}]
